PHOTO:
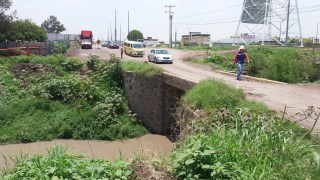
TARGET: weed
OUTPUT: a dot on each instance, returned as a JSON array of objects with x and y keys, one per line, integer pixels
[
  {"x": 60, "y": 165},
  {"x": 141, "y": 69}
]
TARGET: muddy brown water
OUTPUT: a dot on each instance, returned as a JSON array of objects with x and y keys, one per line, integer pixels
[{"x": 109, "y": 150}]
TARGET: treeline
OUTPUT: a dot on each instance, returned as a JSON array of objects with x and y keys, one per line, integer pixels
[{"x": 14, "y": 29}]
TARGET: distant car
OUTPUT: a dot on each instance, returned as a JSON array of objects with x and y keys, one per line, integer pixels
[
  {"x": 160, "y": 56},
  {"x": 104, "y": 44},
  {"x": 113, "y": 45}
]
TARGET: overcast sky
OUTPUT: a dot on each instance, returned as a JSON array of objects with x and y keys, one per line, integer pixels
[{"x": 215, "y": 17}]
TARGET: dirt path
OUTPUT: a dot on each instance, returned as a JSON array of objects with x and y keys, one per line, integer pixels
[
  {"x": 93, "y": 149},
  {"x": 297, "y": 98}
]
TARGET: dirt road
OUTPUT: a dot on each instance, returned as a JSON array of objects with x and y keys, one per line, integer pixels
[{"x": 297, "y": 98}]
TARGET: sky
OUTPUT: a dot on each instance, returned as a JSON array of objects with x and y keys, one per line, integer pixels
[{"x": 216, "y": 17}]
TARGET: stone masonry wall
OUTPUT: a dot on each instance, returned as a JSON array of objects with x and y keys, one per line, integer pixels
[
  {"x": 154, "y": 99},
  {"x": 145, "y": 97}
]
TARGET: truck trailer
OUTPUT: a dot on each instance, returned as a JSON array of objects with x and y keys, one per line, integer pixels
[{"x": 86, "y": 39}]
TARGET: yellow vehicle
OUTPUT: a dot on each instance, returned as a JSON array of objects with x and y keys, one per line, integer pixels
[{"x": 133, "y": 48}]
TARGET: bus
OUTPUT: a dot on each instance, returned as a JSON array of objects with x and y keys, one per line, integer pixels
[{"x": 133, "y": 48}]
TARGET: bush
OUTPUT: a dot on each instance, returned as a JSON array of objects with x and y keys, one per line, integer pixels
[
  {"x": 284, "y": 64},
  {"x": 111, "y": 73},
  {"x": 225, "y": 61},
  {"x": 68, "y": 89},
  {"x": 70, "y": 64},
  {"x": 46, "y": 102},
  {"x": 109, "y": 109},
  {"x": 93, "y": 62},
  {"x": 59, "y": 165}
]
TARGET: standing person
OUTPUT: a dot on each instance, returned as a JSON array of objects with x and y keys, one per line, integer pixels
[
  {"x": 240, "y": 58},
  {"x": 121, "y": 51}
]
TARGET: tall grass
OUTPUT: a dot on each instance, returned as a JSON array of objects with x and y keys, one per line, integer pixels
[
  {"x": 141, "y": 69},
  {"x": 211, "y": 94},
  {"x": 239, "y": 139}
]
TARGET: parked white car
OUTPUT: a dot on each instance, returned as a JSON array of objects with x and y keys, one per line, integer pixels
[{"x": 160, "y": 56}]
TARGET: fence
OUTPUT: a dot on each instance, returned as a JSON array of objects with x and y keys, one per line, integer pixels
[{"x": 44, "y": 46}]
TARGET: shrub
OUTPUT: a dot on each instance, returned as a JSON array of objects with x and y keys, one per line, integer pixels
[
  {"x": 225, "y": 61},
  {"x": 70, "y": 64},
  {"x": 111, "y": 73},
  {"x": 109, "y": 109},
  {"x": 60, "y": 165},
  {"x": 68, "y": 89},
  {"x": 93, "y": 62}
]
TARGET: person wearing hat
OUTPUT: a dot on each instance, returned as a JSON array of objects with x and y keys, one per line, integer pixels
[{"x": 240, "y": 58}]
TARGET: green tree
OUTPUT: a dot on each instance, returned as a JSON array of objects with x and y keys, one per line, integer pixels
[
  {"x": 134, "y": 35},
  {"x": 26, "y": 30},
  {"x": 5, "y": 20},
  {"x": 52, "y": 25}
]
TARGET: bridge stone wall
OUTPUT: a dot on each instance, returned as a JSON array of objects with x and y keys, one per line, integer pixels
[{"x": 154, "y": 99}]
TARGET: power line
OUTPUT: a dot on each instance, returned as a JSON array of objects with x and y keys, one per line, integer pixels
[{"x": 209, "y": 12}]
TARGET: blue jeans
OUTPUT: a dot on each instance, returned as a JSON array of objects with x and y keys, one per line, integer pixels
[{"x": 239, "y": 70}]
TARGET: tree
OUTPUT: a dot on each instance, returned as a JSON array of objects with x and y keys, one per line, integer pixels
[
  {"x": 5, "y": 20},
  {"x": 52, "y": 25},
  {"x": 134, "y": 35},
  {"x": 26, "y": 30}
]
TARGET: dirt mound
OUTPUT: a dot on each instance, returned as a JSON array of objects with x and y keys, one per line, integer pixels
[
  {"x": 29, "y": 68},
  {"x": 194, "y": 55},
  {"x": 144, "y": 170}
]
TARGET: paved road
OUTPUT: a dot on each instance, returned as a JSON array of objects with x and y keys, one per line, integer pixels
[{"x": 297, "y": 98}]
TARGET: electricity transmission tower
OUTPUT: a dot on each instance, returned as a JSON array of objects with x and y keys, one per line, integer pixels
[
  {"x": 170, "y": 12},
  {"x": 266, "y": 19}
]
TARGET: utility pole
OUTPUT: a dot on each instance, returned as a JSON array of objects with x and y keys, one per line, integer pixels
[
  {"x": 288, "y": 21},
  {"x": 110, "y": 31},
  {"x": 317, "y": 33},
  {"x": 170, "y": 12},
  {"x": 120, "y": 32},
  {"x": 115, "y": 25},
  {"x": 175, "y": 39}
]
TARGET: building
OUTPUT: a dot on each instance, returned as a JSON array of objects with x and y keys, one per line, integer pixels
[
  {"x": 149, "y": 41},
  {"x": 196, "y": 39}
]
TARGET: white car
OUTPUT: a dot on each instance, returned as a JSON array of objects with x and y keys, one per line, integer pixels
[{"x": 160, "y": 56}]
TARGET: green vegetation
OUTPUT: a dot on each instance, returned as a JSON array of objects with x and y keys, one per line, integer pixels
[
  {"x": 141, "y": 69},
  {"x": 26, "y": 30},
  {"x": 59, "y": 165},
  {"x": 289, "y": 65},
  {"x": 213, "y": 94},
  {"x": 241, "y": 140},
  {"x": 56, "y": 97},
  {"x": 134, "y": 35}
]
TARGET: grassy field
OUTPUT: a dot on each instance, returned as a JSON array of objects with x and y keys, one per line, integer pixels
[{"x": 290, "y": 65}]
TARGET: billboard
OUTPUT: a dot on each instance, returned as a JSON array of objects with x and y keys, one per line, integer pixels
[{"x": 254, "y": 11}]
